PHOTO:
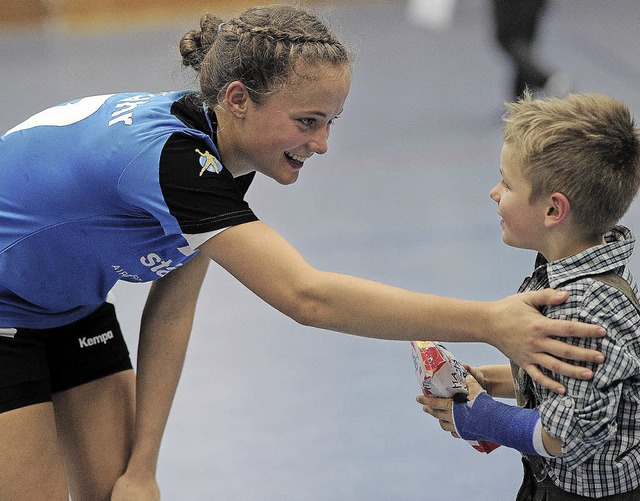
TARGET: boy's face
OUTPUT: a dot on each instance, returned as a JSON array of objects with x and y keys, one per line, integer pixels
[{"x": 522, "y": 222}]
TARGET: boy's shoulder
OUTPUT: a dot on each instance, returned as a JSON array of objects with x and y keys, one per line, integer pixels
[
  {"x": 619, "y": 283},
  {"x": 595, "y": 291},
  {"x": 608, "y": 299}
]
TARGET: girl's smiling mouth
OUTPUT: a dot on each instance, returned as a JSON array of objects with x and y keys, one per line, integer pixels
[{"x": 297, "y": 160}]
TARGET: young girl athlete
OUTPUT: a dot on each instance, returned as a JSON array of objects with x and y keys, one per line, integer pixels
[{"x": 143, "y": 187}]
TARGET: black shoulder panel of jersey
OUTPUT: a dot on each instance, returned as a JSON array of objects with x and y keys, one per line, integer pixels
[
  {"x": 189, "y": 109},
  {"x": 244, "y": 182},
  {"x": 200, "y": 193}
]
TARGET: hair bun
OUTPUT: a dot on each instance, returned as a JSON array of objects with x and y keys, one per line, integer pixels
[{"x": 195, "y": 44}]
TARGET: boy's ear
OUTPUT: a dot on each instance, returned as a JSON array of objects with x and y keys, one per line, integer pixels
[
  {"x": 237, "y": 98},
  {"x": 558, "y": 209}
]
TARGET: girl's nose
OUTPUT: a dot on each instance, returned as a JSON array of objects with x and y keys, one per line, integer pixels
[{"x": 319, "y": 143}]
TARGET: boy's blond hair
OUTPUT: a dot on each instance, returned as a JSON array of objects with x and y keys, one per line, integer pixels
[{"x": 585, "y": 146}]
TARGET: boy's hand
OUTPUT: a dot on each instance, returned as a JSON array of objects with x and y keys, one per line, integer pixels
[
  {"x": 527, "y": 337},
  {"x": 442, "y": 408},
  {"x": 476, "y": 374}
]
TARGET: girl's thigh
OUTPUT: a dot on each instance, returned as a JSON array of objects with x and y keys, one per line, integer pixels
[
  {"x": 95, "y": 425},
  {"x": 31, "y": 465}
]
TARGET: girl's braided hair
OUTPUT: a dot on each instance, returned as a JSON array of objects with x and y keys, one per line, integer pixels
[{"x": 260, "y": 48}]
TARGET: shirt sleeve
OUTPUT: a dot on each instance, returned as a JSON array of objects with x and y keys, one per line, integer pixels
[
  {"x": 585, "y": 418},
  {"x": 199, "y": 192}
]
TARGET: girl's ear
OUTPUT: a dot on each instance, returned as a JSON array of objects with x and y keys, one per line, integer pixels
[
  {"x": 237, "y": 98},
  {"x": 558, "y": 209}
]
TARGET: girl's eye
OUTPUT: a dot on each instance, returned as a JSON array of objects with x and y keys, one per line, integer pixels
[
  {"x": 504, "y": 184},
  {"x": 307, "y": 122},
  {"x": 312, "y": 122}
]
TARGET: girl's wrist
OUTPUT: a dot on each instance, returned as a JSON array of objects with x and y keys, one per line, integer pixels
[{"x": 143, "y": 462}]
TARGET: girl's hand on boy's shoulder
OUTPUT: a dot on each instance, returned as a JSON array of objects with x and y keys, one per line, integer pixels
[{"x": 528, "y": 338}]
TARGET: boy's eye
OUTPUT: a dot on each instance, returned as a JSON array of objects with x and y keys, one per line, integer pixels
[{"x": 504, "y": 184}]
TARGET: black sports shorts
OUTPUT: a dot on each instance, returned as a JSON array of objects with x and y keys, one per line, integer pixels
[{"x": 35, "y": 363}]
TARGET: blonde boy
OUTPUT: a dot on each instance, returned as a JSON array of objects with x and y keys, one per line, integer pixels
[{"x": 570, "y": 169}]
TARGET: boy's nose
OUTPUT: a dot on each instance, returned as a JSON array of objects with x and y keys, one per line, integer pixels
[{"x": 495, "y": 196}]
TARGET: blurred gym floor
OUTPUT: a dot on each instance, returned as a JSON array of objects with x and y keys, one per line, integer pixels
[{"x": 268, "y": 410}]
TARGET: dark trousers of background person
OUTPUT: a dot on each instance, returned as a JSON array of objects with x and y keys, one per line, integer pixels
[{"x": 516, "y": 25}]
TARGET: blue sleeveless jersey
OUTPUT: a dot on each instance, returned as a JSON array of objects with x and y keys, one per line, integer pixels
[{"x": 106, "y": 188}]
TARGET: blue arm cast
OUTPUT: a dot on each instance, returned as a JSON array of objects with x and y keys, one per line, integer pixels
[{"x": 487, "y": 419}]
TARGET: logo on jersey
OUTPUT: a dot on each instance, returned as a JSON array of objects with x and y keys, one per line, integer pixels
[
  {"x": 208, "y": 162},
  {"x": 124, "y": 109},
  {"x": 158, "y": 265}
]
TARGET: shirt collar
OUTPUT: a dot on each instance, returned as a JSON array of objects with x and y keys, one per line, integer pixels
[{"x": 615, "y": 252}]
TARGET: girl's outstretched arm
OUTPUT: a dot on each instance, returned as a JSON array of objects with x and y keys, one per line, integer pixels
[{"x": 269, "y": 266}]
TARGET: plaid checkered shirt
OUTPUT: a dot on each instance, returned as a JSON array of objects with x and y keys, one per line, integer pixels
[{"x": 598, "y": 421}]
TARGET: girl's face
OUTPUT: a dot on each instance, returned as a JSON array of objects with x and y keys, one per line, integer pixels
[
  {"x": 522, "y": 222},
  {"x": 289, "y": 126}
]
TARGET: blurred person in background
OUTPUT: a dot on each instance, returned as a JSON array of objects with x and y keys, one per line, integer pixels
[{"x": 516, "y": 28}]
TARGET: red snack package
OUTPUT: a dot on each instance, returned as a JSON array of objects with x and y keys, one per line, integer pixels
[{"x": 439, "y": 374}]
